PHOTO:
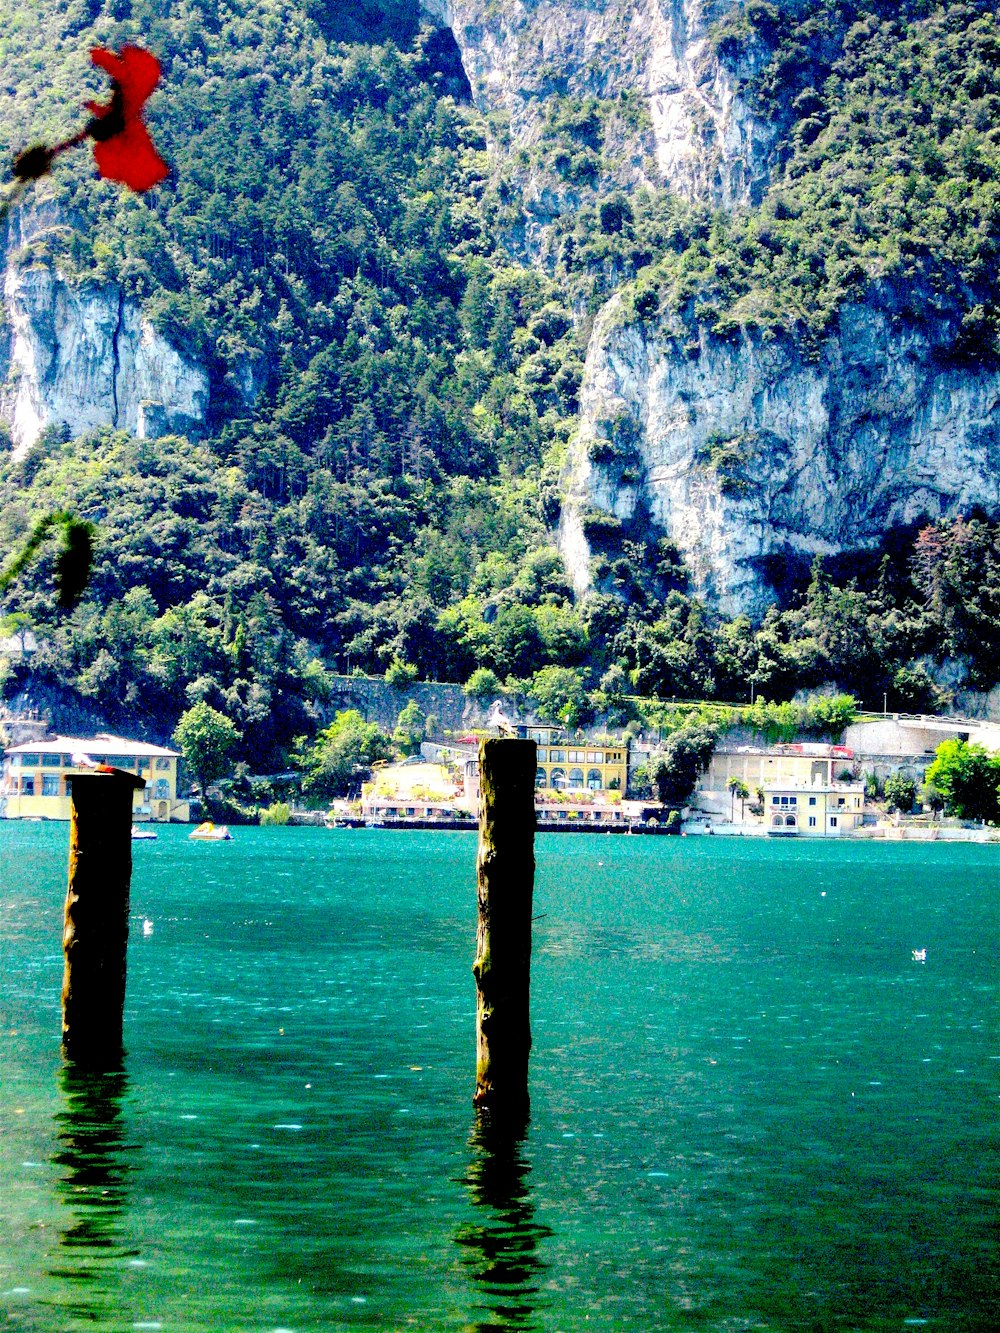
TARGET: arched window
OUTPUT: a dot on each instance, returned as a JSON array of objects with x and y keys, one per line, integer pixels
[
  {"x": 790, "y": 821},
  {"x": 576, "y": 777},
  {"x": 540, "y": 779},
  {"x": 594, "y": 779},
  {"x": 777, "y": 821},
  {"x": 557, "y": 779}
]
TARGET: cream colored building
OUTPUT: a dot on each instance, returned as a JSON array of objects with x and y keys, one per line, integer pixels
[
  {"x": 412, "y": 790},
  {"x": 800, "y": 764},
  {"x": 819, "y": 810},
  {"x": 35, "y": 779}
]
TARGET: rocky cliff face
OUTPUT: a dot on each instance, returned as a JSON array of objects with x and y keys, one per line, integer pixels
[
  {"x": 699, "y": 136},
  {"x": 83, "y": 356},
  {"x": 745, "y": 450}
]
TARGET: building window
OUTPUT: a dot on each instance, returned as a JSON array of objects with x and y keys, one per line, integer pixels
[
  {"x": 576, "y": 777},
  {"x": 594, "y": 779},
  {"x": 775, "y": 800},
  {"x": 812, "y": 800},
  {"x": 162, "y": 788},
  {"x": 790, "y": 821},
  {"x": 161, "y": 764},
  {"x": 812, "y": 821},
  {"x": 51, "y": 760},
  {"x": 50, "y": 784},
  {"x": 776, "y": 821},
  {"x": 28, "y": 760},
  {"x": 593, "y": 756},
  {"x": 557, "y": 779},
  {"x": 540, "y": 779},
  {"x": 28, "y": 785},
  {"x": 833, "y": 821},
  {"x": 557, "y": 757}
]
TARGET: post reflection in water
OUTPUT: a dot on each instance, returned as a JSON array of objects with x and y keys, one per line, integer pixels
[
  {"x": 500, "y": 1248},
  {"x": 93, "y": 1161}
]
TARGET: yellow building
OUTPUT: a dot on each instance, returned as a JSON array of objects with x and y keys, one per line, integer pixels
[
  {"x": 577, "y": 765},
  {"x": 818, "y": 811},
  {"x": 412, "y": 790},
  {"x": 34, "y": 783}
]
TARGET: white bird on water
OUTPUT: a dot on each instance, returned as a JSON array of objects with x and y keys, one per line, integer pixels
[
  {"x": 919, "y": 955},
  {"x": 496, "y": 717}
]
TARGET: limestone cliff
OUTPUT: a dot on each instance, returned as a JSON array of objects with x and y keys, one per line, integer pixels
[
  {"x": 743, "y": 449},
  {"x": 697, "y": 134},
  {"x": 82, "y": 355}
]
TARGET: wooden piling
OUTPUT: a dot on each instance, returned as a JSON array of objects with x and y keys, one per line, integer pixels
[
  {"x": 505, "y": 874},
  {"x": 95, "y": 933}
]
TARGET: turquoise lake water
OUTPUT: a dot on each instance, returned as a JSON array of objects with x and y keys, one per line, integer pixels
[{"x": 751, "y": 1109}]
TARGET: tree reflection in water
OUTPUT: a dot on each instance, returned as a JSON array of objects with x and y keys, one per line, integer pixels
[
  {"x": 93, "y": 1161},
  {"x": 500, "y": 1249}
]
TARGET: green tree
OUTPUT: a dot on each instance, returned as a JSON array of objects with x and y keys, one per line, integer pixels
[
  {"x": 686, "y": 754},
  {"x": 900, "y": 792},
  {"x": 560, "y": 695},
  {"x": 399, "y": 674},
  {"x": 206, "y": 738},
  {"x": 410, "y": 727},
  {"x": 967, "y": 778},
  {"x": 737, "y": 788},
  {"x": 482, "y": 685},
  {"x": 342, "y": 755}
]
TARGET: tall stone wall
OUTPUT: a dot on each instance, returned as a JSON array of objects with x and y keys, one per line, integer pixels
[{"x": 382, "y": 703}]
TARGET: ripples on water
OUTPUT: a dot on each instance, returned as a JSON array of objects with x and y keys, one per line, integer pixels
[{"x": 750, "y": 1108}]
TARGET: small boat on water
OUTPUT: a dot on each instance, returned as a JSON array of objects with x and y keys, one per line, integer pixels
[
  {"x": 209, "y": 832},
  {"x": 142, "y": 834}
]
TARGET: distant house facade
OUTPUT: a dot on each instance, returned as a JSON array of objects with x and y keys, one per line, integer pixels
[
  {"x": 817, "y": 811},
  {"x": 35, "y": 781},
  {"x": 411, "y": 790},
  {"x": 564, "y": 765},
  {"x": 807, "y": 788},
  {"x": 801, "y": 764}
]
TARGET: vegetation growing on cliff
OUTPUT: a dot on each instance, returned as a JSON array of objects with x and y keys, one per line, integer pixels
[{"x": 890, "y": 173}]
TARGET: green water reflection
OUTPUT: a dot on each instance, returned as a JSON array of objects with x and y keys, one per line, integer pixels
[
  {"x": 501, "y": 1245},
  {"x": 94, "y": 1161}
]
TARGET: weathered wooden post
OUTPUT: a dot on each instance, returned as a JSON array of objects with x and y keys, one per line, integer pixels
[
  {"x": 95, "y": 933},
  {"x": 505, "y": 875}
]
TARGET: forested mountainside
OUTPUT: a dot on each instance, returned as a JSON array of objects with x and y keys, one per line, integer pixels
[{"x": 391, "y": 330}]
